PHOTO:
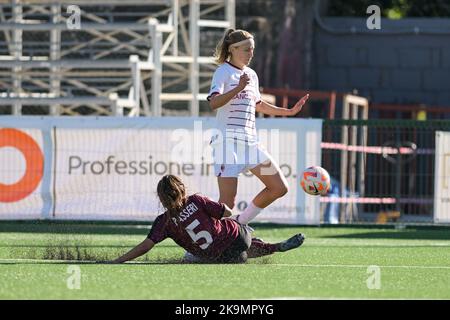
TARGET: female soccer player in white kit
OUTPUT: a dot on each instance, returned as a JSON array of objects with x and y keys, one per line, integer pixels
[{"x": 235, "y": 95}]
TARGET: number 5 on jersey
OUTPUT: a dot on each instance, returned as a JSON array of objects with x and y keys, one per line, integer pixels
[{"x": 199, "y": 235}]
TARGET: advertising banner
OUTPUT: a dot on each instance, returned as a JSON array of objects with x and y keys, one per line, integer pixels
[{"x": 109, "y": 168}]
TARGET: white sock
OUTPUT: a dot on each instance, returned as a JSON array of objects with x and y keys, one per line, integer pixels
[{"x": 249, "y": 213}]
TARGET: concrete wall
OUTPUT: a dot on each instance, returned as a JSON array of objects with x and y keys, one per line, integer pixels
[{"x": 392, "y": 65}]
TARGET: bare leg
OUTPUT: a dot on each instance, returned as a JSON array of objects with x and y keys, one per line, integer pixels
[
  {"x": 227, "y": 189},
  {"x": 276, "y": 184}
]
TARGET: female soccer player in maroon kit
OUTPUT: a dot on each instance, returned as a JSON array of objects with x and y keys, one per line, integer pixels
[{"x": 199, "y": 225}]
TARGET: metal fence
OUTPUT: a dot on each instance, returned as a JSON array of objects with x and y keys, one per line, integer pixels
[{"x": 382, "y": 170}]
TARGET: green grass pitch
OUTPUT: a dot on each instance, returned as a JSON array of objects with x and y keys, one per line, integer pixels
[{"x": 40, "y": 260}]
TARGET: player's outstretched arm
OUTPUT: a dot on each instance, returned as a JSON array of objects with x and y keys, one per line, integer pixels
[
  {"x": 142, "y": 248},
  {"x": 272, "y": 110}
]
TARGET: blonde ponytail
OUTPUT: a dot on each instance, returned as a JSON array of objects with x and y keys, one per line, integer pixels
[{"x": 231, "y": 36}]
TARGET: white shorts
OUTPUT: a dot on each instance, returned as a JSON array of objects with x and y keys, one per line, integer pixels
[{"x": 231, "y": 159}]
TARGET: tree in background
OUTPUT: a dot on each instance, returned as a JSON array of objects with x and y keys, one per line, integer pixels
[{"x": 427, "y": 8}]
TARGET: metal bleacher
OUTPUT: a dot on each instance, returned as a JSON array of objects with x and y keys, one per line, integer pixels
[{"x": 89, "y": 57}]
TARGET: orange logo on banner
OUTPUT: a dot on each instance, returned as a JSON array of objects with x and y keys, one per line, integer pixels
[{"x": 34, "y": 165}]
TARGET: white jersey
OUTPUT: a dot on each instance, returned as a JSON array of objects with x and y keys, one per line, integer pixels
[{"x": 236, "y": 119}]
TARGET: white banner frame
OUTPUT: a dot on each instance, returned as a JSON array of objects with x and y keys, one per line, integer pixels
[{"x": 442, "y": 178}]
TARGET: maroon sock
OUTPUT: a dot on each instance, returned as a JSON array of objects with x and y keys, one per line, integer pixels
[{"x": 259, "y": 248}]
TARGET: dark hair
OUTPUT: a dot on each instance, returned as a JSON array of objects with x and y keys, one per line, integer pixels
[
  {"x": 172, "y": 194},
  {"x": 231, "y": 36}
]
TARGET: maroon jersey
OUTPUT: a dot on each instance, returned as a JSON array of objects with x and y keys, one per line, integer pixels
[{"x": 199, "y": 230}]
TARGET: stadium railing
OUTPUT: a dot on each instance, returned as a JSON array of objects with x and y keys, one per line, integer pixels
[{"x": 393, "y": 172}]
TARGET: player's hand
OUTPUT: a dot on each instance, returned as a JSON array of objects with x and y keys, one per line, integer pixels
[
  {"x": 244, "y": 80},
  {"x": 298, "y": 106}
]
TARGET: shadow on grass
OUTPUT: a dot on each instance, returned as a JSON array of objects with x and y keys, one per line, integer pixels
[
  {"x": 61, "y": 227},
  {"x": 96, "y": 227},
  {"x": 102, "y": 227},
  {"x": 142, "y": 228}
]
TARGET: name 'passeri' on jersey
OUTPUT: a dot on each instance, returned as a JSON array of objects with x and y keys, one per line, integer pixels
[{"x": 187, "y": 212}]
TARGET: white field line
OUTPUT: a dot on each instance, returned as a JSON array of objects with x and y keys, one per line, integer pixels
[
  {"x": 355, "y": 266},
  {"x": 380, "y": 244},
  {"x": 47, "y": 261},
  {"x": 320, "y": 242},
  {"x": 335, "y": 298},
  {"x": 250, "y": 264}
]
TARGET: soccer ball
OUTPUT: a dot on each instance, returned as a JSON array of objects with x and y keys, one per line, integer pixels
[{"x": 315, "y": 181}]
